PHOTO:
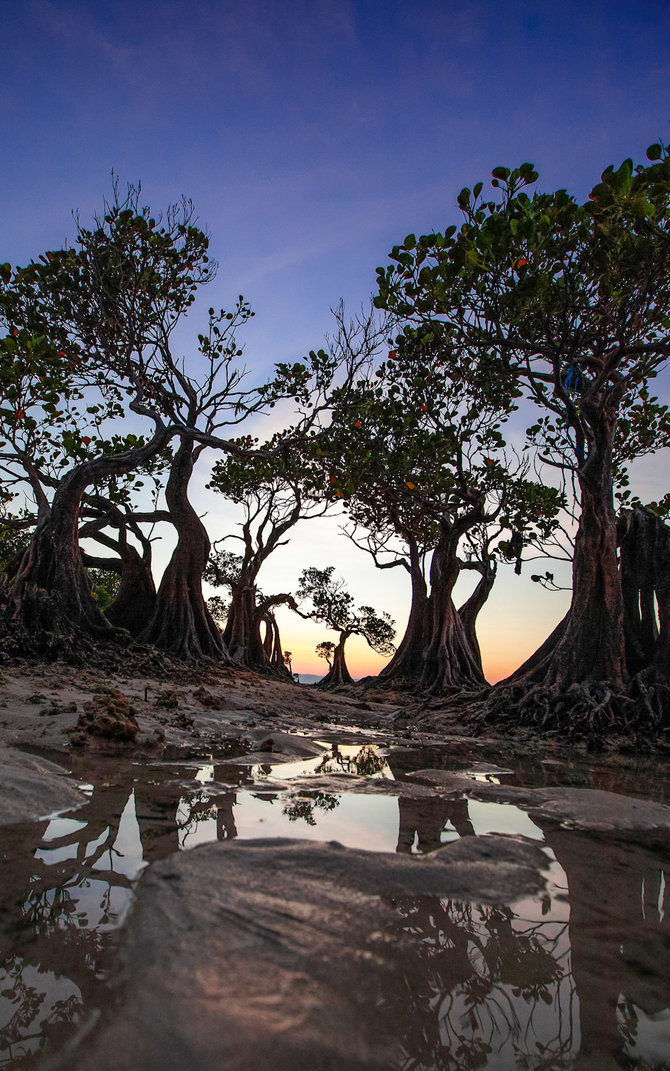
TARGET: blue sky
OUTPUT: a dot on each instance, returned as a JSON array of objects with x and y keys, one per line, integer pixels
[{"x": 315, "y": 134}]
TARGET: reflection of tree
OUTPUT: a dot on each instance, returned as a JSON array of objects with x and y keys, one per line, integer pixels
[
  {"x": 65, "y": 888},
  {"x": 304, "y": 806},
  {"x": 618, "y": 931},
  {"x": 22, "y": 1032},
  {"x": 422, "y": 822},
  {"x": 366, "y": 761},
  {"x": 207, "y": 806},
  {"x": 477, "y": 987}
]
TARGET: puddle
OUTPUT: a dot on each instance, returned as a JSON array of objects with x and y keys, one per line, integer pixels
[{"x": 579, "y": 978}]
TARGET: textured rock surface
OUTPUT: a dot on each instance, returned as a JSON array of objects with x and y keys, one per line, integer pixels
[
  {"x": 283, "y": 955},
  {"x": 32, "y": 787},
  {"x": 583, "y": 808}
]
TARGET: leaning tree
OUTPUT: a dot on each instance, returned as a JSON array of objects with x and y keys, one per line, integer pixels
[
  {"x": 94, "y": 323},
  {"x": 88, "y": 319},
  {"x": 330, "y": 603},
  {"x": 571, "y": 299}
]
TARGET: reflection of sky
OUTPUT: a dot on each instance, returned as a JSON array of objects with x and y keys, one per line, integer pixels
[
  {"x": 502, "y": 818},
  {"x": 367, "y": 822},
  {"x": 97, "y": 903}
]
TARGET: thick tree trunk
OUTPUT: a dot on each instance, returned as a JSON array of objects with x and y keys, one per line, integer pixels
[
  {"x": 135, "y": 602},
  {"x": 470, "y": 610},
  {"x": 181, "y": 624},
  {"x": 406, "y": 665},
  {"x": 449, "y": 663},
  {"x": 591, "y": 646},
  {"x": 272, "y": 646},
  {"x": 47, "y": 606},
  {"x": 242, "y": 634},
  {"x": 338, "y": 672},
  {"x": 644, "y": 543}
]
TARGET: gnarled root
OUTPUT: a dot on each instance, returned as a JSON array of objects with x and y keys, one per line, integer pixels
[{"x": 597, "y": 713}]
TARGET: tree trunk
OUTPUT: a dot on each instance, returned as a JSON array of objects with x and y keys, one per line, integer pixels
[
  {"x": 272, "y": 646},
  {"x": 449, "y": 661},
  {"x": 406, "y": 665},
  {"x": 644, "y": 543},
  {"x": 242, "y": 634},
  {"x": 338, "y": 672},
  {"x": 181, "y": 624},
  {"x": 136, "y": 599},
  {"x": 591, "y": 646},
  {"x": 469, "y": 611},
  {"x": 47, "y": 606}
]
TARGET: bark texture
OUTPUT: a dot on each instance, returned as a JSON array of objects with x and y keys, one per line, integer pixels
[
  {"x": 242, "y": 634},
  {"x": 644, "y": 542},
  {"x": 406, "y": 666},
  {"x": 135, "y": 602},
  {"x": 591, "y": 645},
  {"x": 471, "y": 608},
  {"x": 449, "y": 663},
  {"x": 181, "y": 624}
]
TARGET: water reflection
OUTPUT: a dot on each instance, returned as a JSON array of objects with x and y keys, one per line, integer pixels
[
  {"x": 489, "y": 986},
  {"x": 543, "y": 983}
]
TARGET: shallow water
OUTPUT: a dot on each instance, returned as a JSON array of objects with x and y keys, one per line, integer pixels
[{"x": 578, "y": 978}]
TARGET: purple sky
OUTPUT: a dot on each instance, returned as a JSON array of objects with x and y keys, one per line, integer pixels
[{"x": 315, "y": 134}]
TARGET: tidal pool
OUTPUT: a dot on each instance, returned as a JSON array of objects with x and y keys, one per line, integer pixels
[{"x": 578, "y": 978}]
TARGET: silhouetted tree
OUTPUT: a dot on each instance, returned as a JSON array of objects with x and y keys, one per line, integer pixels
[
  {"x": 334, "y": 606},
  {"x": 569, "y": 301}
]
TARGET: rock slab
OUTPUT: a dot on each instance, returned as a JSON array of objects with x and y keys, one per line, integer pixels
[{"x": 285, "y": 955}]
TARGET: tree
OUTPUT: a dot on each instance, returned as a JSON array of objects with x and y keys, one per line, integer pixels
[
  {"x": 276, "y": 492},
  {"x": 332, "y": 605},
  {"x": 92, "y": 317},
  {"x": 420, "y": 460},
  {"x": 570, "y": 300},
  {"x": 100, "y": 317},
  {"x": 326, "y": 649}
]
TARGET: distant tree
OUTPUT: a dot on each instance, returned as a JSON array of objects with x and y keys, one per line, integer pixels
[
  {"x": 104, "y": 586},
  {"x": 326, "y": 649},
  {"x": 332, "y": 605},
  {"x": 275, "y": 492},
  {"x": 570, "y": 301}
]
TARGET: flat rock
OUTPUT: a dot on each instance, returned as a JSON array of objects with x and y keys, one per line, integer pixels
[
  {"x": 286, "y": 955},
  {"x": 582, "y": 808},
  {"x": 32, "y": 787},
  {"x": 448, "y": 782},
  {"x": 373, "y": 786}
]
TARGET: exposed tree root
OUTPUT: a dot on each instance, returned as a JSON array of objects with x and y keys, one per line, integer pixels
[{"x": 592, "y": 712}]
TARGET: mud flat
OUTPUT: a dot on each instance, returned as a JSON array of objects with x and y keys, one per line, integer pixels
[{"x": 360, "y": 894}]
